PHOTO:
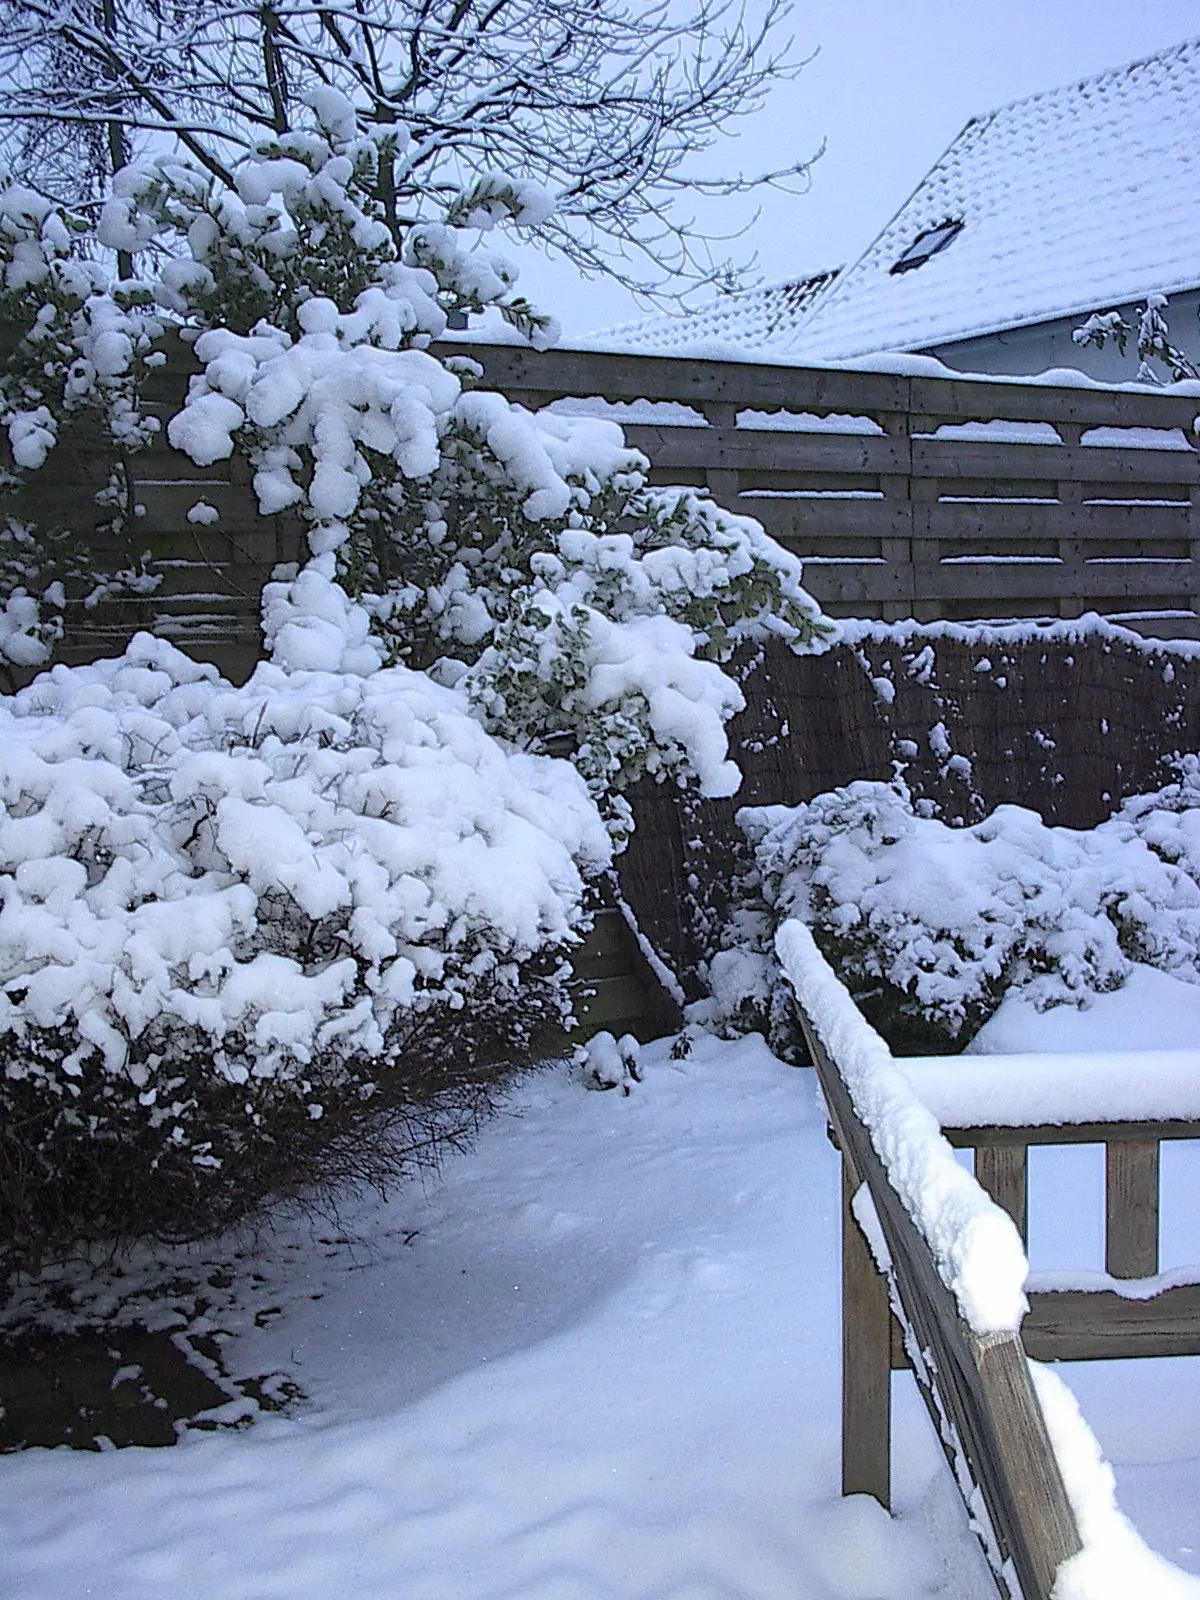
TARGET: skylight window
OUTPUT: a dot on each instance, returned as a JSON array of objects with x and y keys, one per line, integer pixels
[{"x": 928, "y": 244}]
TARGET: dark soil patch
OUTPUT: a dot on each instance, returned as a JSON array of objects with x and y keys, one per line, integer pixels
[{"x": 104, "y": 1388}]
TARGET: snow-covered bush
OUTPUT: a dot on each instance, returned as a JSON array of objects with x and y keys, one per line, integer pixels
[
  {"x": 521, "y": 555},
  {"x": 240, "y": 924},
  {"x": 241, "y": 927},
  {"x": 1151, "y": 339},
  {"x": 930, "y": 926},
  {"x": 70, "y": 382}
]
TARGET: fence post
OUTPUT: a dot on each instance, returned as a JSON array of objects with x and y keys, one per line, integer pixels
[{"x": 866, "y": 1361}]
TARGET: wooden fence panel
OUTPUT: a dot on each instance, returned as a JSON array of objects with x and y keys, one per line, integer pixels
[{"x": 893, "y": 517}]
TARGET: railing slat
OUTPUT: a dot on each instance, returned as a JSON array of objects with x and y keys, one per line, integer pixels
[
  {"x": 1003, "y": 1170},
  {"x": 866, "y": 1361},
  {"x": 1131, "y": 1207}
]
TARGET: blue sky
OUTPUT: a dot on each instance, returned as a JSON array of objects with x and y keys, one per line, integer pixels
[{"x": 892, "y": 84}]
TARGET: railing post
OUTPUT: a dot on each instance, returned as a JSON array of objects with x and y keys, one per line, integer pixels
[
  {"x": 722, "y": 482},
  {"x": 866, "y": 1361},
  {"x": 900, "y": 553},
  {"x": 1071, "y": 550},
  {"x": 1003, "y": 1170},
  {"x": 1131, "y": 1208}
]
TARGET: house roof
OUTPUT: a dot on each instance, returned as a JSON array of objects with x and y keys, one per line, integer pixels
[
  {"x": 748, "y": 319},
  {"x": 1071, "y": 201}
]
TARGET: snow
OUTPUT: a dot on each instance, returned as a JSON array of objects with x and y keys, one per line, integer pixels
[
  {"x": 1073, "y": 1087},
  {"x": 597, "y": 1360},
  {"x": 976, "y": 1249},
  {"x": 1151, "y": 1007},
  {"x": 994, "y": 636},
  {"x": 1114, "y": 1562},
  {"x": 1107, "y": 218}
]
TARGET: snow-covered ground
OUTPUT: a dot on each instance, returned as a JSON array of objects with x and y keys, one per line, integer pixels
[{"x": 596, "y": 1360}]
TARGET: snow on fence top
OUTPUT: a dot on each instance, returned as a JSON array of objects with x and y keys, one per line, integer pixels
[
  {"x": 975, "y": 1247},
  {"x": 1025, "y": 1091}
]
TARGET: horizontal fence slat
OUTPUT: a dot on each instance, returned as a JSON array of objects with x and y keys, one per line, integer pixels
[
  {"x": 793, "y": 519},
  {"x": 969, "y": 458},
  {"x": 1044, "y": 580},
  {"x": 999, "y": 519},
  {"x": 970, "y": 400},
  {"x": 683, "y": 378},
  {"x": 755, "y": 449},
  {"x": 1079, "y": 1325}
]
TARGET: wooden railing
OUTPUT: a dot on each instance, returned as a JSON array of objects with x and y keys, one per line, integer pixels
[
  {"x": 1092, "y": 1324},
  {"x": 898, "y": 1312},
  {"x": 976, "y": 1388}
]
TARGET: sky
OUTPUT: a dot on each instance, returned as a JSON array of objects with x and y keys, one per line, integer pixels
[{"x": 890, "y": 86}]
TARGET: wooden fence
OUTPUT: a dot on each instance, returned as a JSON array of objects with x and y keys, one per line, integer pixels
[
  {"x": 915, "y": 496},
  {"x": 906, "y": 496}
]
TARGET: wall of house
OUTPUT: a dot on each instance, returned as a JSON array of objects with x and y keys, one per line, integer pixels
[{"x": 1046, "y": 345}]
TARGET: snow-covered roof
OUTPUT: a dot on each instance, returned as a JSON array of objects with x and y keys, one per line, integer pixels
[
  {"x": 1074, "y": 200},
  {"x": 750, "y": 318}
]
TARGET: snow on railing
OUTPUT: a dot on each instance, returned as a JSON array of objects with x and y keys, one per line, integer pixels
[
  {"x": 975, "y": 1247},
  {"x": 1012, "y": 1431}
]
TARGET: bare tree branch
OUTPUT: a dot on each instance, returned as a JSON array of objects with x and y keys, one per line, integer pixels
[{"x": 615, "y": 106}]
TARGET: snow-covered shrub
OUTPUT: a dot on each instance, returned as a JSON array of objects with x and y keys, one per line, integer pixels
[
  {"x": 930, "y": 926},
  {"x": 70, "y": 384},
  {"x": 521, "y": 555},
  {"x": 236, "y": 922},
  {"x": 240, "y": 928},
  {"x": 1151, "y": 338}
]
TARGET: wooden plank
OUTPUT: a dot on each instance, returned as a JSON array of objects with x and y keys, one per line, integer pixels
[
  {"x": 827, "y": 518},
  {"x": 1045, "y": 580},
  {"x": 1078, "y": 1325},
  {"x": 1131, "y": 1208},
  {"x": 970, "y": 400},
  {"x": 1003, "y": 1170},
  {"x": 866, "y": 1361},
  {"x": 979, "y": 1384},
  {"x": 848, "y": 583},
  {"x": 765, "y": 450},
  {"x": 1017, "y": 519},
  {"x": 1070, "y": 1133},
  {"x": 750, "y": 385},
  {"x": 971, "y": 458},
  {"x": 868, "y": 586}
]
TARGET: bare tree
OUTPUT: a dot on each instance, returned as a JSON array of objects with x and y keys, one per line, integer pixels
[{"x": 612, "y": 106}]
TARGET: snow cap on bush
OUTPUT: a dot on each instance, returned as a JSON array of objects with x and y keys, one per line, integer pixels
[
  {"x": 285, "y": 870},
  {"x": 931, "y": 925}
]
